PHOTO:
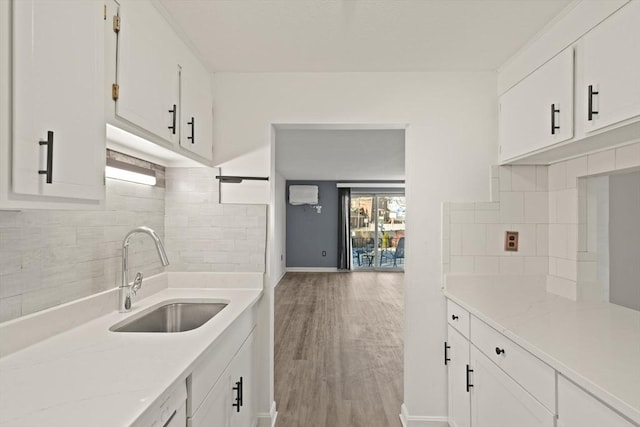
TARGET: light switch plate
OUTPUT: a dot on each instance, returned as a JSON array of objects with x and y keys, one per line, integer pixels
[{"x": 511, "y": 241}]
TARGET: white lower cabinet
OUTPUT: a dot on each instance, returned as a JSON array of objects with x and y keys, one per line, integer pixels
[
  {"x": 577, "y": 408},
  {"x": 498, "y": 401},
  {"x": 216, "y": 409},
  {"x": 488, "y": 385},
  {"x": 230, "y": 402},
  {"x": 456, "y": 356}
]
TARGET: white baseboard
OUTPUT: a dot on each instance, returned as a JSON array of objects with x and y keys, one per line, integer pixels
[
  {"x": 275, "y": 285},
  {"x": 421, "y": 421},
  {"x": 312, "y": 270},
  {"x": 268, "y": 420}
]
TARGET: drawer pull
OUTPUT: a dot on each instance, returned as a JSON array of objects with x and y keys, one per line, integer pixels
[
  {"x": 454, "y": 317},
  {"x": 554, "y": 127},
  {"x": 446, "y": 356},
  {"x": 469, "y": 385},
  {"x": 590, "y": 111},
  {"x": 49, "y": 170},
  {"x": 499, "y": 351},
  {"x": 173, "y": 112}
]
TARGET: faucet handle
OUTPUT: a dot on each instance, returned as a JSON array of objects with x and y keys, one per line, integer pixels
[{"x": 137, "y": 283}]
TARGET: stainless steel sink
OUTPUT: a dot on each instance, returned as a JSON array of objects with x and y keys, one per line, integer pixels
[{"x": 172, "y": 317}]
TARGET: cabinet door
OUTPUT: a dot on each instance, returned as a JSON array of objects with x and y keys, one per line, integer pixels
[
  {"x": 215, "y": 410},
  {"x": 242, "y": 371},
  {"x": 58, "y": 83},
  {"x": 148, "y": 71},
  {"x": 459, "y": 398},
  {"x": 612, "y": 68},
  {"x": 498, "y": 401},
  {"x": 576, "y": 408},
  {"x": 196, "y": 111},
  {"x": 538, "y": 111}
]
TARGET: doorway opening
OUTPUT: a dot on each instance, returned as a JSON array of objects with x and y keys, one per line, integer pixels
[{"x": 377, "y": 230}]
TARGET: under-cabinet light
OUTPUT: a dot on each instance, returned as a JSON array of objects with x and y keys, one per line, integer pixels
[{"x": 132, "y": 173}]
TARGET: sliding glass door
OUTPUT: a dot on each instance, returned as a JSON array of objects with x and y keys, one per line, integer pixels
[{"x": 377, "y": 231}]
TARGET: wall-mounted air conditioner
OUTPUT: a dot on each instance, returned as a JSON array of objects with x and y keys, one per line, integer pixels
[{"x": 303, "y": 194}]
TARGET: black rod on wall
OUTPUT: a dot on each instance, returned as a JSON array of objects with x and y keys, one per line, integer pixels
[{"x": 229, "y": 179}]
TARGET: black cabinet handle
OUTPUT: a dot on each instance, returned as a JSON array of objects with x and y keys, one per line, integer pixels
[
  {"x": 241, "y": 393},
  {"x": 454, "y": 317},
  {"x": 49, "y": 171},
  {"x": 446, "y": 356},
  {"x": 554, "y": 110},
  {"x": 173, "y": 112},
  {"x": 238, "y": 399},
  {"x": 499, "y": 351},
  {"x": 469, "y": 385},
  {"x": 590, "y": 111},
  {"x": 192, "y": 123}
]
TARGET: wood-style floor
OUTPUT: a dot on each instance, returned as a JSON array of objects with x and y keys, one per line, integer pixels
[{"x": 338, "y": 349}]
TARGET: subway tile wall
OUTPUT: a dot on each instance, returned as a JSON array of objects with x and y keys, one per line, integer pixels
[
  {"x": 51, "y": 257},
  {"x": 547, "y": 205},
  {"x": 202, "y": 234},
  {"x": 473, "y": 240}
]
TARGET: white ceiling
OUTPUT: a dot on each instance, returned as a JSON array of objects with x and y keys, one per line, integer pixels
[
  {"x": 334, "y": 155},
  {"x": 359, "y": 35}
]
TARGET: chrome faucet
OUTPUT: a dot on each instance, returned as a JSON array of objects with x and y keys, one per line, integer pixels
[{"x": 126, "y": 291}]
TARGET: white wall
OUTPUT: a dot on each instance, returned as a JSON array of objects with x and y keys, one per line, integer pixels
[
  {"x": 278, "y": 261},
  {"x": 451, "y": 141}
]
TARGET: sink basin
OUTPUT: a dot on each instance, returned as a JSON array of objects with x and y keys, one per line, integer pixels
[{"x": 172, "y": 317}]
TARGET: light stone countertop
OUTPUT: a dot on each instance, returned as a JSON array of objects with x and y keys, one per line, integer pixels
[
  {"x": 594, "y": 344},
  {"x": 89, "y": 376}
]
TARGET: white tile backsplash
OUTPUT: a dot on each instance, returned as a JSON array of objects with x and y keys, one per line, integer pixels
[
  {"x": 474, "y": 239},
  {"x": 536, "y": 207},
  {"x": 203, "y": 235},
  {"x": 52, "y": 257},
  {"x": 523, "y": 178},
  {"x": 511, "y": 207},
  {"x": 512, "y": 265},
  {"x": 558, "y": 176}
]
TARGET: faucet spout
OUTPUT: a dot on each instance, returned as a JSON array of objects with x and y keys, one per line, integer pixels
[{"x": 125, "y": 289}]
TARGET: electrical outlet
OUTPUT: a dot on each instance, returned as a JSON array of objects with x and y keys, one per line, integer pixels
[
  {"x": 511, "y": 241},
  {"x": 324, "y": 253}
]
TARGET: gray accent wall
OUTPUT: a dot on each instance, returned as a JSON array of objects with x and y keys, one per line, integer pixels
[
  {"x": 624, "y": 239},
  {"x": 309, "y": 233}
]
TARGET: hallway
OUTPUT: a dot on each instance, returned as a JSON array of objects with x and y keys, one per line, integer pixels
[{"x": 339, "y": 349}]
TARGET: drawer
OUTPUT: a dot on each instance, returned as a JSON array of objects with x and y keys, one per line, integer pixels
[
  {"x": 577, "y": 408},
  {"x": 210, "y": 366},
  {"x": 458, "y": 317},
  {"x": 531, "y": 373},
  {"x": 168, "y": 410}
]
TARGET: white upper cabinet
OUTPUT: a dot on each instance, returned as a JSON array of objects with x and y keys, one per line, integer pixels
[
  {"x": 148, "y": 73},
  {"x": 538, "y": 111},
  {"x": 197, "y": 107},
  {"x": 58, "y": 140},
  {"x": 612, "y": 69}
]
